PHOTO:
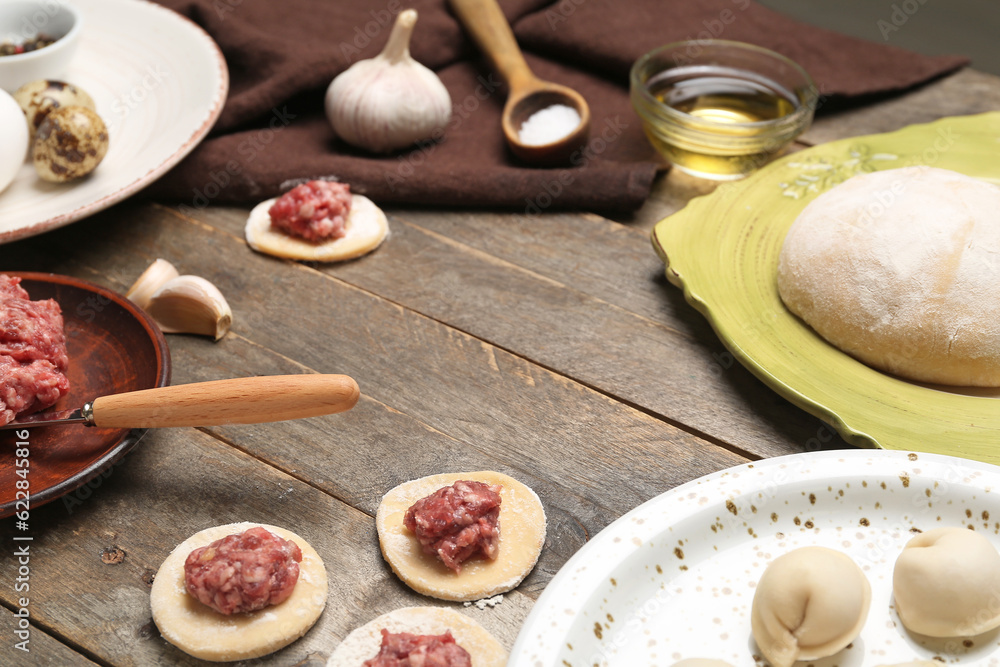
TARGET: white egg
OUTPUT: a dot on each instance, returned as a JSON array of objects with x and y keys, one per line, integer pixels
[{"x": 13, "y": 139}]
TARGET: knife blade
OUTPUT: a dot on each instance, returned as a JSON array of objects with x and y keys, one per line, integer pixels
[
  {"x": 49, "y": 417},
  {"x": 252, "y": 400}
]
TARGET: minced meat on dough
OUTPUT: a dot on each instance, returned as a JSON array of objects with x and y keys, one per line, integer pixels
[
  {"x": 405, "y": 650},
  {"x": 315, "y": 211},
  {"x": 33, "y": 357},
  {"x": 458, "y": 522},
  {"x": 243, "y": 572}
]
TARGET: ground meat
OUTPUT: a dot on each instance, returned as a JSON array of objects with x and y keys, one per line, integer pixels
[
  {"x": 244, "y": 572},
  {"x": 315, "y": 211},
  {"x": 32, "y": 352},
  {"x": 458, "y": 522},
  {"x": 28, "y": 387},
  {"x": 406, "y": 650}
]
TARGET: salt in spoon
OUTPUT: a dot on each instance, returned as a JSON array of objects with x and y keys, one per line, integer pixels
[{"x": 528, "y": 94}]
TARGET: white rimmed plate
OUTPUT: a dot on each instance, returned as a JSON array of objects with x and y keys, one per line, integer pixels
[
  {"x": 675, "y": 577},
  {"x": 159, "y": 83}
]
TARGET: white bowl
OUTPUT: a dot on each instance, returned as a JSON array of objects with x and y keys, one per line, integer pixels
[{"x": 24, "y": 19}]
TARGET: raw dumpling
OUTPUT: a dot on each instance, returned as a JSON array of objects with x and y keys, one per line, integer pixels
[
  {"x": 947, "y": 583},
  {"x": 809, "y": 604}
]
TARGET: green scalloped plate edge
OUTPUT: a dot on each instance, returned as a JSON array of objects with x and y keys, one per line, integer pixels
[{"x": 722, "y": 250}]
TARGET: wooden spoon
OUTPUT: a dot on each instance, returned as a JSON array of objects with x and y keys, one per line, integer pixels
[{"x": 528, "y": 94}]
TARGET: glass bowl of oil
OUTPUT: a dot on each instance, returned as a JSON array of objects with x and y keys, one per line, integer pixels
[{"x": 719, "y": 109}]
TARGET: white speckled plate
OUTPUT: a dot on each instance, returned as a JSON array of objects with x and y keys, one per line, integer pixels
[
  {"x": 159, "y": 83},
  {"x": 675, "y": 577}
]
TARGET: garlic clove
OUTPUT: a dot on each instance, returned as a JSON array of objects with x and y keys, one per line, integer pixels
[
  {"x": 191, "y": 304},
  {"x": 390, "y": 101},
  {"x": 153, "y": 278}
]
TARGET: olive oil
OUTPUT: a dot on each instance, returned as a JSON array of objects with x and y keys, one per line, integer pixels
[{"x": 719, "y": 132}]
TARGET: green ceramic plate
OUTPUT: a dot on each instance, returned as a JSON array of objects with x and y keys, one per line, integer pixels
[{"x": 722, "y": 250}]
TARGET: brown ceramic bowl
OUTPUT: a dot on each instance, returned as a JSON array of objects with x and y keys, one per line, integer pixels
[{"x": 113, "y": 347}]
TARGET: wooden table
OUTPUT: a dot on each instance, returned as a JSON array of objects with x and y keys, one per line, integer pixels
[{"x": 550, "y": 348}]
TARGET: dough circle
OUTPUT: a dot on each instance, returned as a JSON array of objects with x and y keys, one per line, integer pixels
[
  {"x": 901, "y": 269},
  {"x": 946, "y": 583},
  {"x": 199, "y": 630},
  {"x": 364, "y": 642},
  {"x": 810, "y": 603},
  {"x": 366, "y": 228},
  {"x": 522, "y": 534}
]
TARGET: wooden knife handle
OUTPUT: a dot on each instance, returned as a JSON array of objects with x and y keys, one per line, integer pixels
[{"x": 252, "y": 400}]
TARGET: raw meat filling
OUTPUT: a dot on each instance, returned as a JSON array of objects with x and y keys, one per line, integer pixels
[
  {"x": 406, "y": 650},
  {"x": 458, "y": 522},
  {"x": 244, "y": 572},
  {"x": 32, "y": 352},
  {"x": 315, "y": 211}
]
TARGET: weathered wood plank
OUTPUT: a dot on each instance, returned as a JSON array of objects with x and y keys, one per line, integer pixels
[
  {"x": 94, "y": 561},
  {"x": 477, "y": 274},
  {"x": 37, "y": 647},
  {"x": 434, "y": 399}
]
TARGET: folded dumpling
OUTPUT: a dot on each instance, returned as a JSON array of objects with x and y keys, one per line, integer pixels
[
  {"x": 809, "y": 604},
  {"x": 947, "y": 583}
]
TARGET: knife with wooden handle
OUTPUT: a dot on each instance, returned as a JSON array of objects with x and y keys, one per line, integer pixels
[{"x": 252, "y": 400}]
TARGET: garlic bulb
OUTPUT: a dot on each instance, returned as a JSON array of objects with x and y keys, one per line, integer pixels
[
  {"x": 390, "y": 101},
  {"x": 191, "y": 304},
  {"x": 153, "y": 278}
]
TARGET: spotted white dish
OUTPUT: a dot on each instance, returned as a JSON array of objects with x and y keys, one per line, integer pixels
[
  {"x": 675, "y": 577},
  {"x": 159, "y": 83}
]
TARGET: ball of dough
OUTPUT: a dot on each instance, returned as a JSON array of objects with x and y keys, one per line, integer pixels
[
  {"x": 901, "y": 269},
  {"x": 809, "y": 604},
  {"x": 947, "y": 584},
  {"x": 199, "y": 630}
]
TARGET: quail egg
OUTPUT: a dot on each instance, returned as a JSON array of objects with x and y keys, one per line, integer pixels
[
  {"x": 13, "y": 139},
  {"x": 70, "y": 143},
  {"x": 40, "y": 97}
]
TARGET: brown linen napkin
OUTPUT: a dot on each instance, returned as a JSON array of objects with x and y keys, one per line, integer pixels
[{"x": 282, "y": 55}]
